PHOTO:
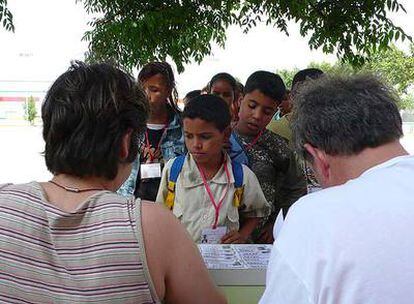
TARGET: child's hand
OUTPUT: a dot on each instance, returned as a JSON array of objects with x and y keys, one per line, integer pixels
[{"x": 233, "y": 237}]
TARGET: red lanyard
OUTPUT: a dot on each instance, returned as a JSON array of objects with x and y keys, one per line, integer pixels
[
  {"x": 216, "y": 206},
  {"x": 254, "y": 141},
  {"x": 148, "y": 146}
]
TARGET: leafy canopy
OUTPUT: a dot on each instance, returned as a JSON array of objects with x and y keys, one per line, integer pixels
[
  {"x": 133, "y": 33},
  {"x": 6, "y": 17},
  {"x": 392, "y": 65}
]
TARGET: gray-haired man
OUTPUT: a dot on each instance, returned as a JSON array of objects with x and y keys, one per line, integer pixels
[{"x": 351, "y": 242}]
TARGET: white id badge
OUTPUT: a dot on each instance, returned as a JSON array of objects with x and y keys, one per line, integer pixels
[
  {"x": 212, "y": 236},
  {"x": 152, "y": 170}
]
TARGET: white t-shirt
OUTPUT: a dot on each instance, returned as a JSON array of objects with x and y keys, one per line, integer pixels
[{"x": 352, "y": 243}]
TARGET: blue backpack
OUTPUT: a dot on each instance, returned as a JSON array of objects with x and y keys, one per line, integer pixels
[
  {"x": 175, "y": 171},
  {"x": 236, "y": 151}
]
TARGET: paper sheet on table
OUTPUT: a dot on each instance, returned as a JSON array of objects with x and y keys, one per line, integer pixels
[{"x": 235, "y": 256}]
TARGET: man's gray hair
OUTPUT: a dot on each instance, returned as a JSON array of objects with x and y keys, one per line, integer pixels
[{"x": 343, "y": 115}]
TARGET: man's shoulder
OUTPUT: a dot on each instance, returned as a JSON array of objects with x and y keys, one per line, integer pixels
[
  {"x": 312, "y": 222},
  {"x": 27, "y": 187},
  {"x": 5, "y": 186},
  {"x": 323, "y": 203}
]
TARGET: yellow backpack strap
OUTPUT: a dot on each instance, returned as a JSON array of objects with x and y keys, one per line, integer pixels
[
  {"x": 175, "y": 170},
  {"x": 169, "y": 200},
  {"x": 238, "y": 196},
  {"x": 238, "y": 183}
]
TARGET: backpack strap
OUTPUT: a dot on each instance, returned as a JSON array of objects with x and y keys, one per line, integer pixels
[
  {"x": 236, "y": 151},
  {"x": 237, "y": 169},
  {"x": 175, "y": 170}
]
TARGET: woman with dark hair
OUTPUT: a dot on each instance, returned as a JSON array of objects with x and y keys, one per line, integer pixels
[
  {"x": 73, "y": 239},
  {"x": 163, "y": 138}
]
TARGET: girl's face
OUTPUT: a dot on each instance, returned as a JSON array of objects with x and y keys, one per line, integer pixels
[
  {"x": 157, "y": 90},
  {"x": 224, "y": 90}
]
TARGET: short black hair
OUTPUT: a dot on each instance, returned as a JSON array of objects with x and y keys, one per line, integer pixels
[
  {"x": 223, "y": 76},
  {"x": 343, "y": 115},
  {"x": 209, "y": 108},
  {"x": 268, "y": 83},
  {"x": 302, "y": 75},
  {"x": 86, "y": 113},
  {"x": 190, "y": 95}
]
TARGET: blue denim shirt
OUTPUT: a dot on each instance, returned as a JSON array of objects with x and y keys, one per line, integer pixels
[{"x": 172, "y": 145}]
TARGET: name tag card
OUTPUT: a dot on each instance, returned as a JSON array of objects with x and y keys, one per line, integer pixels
[
  {"x": 212, "y": 236},
  {"x": 152, "y": 170}
]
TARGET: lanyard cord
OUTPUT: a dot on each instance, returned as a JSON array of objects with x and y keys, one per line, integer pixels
[
  {"x": 254, "y": 141},
  {"x": 148, "y": 145},
  {"x": 216, "y": 206}
]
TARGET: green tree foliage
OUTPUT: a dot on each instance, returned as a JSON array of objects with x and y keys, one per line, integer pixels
[
  {"x": 395, "y": 66},
  {"x": 30, "y": 111},
  {"x": 132, "y": 33},
  {"x": 287, "y": 76},
  {"x": 392, "y": 65},
  {"x": 339, "y": 67},
  {"x": 6, "y": 17}
]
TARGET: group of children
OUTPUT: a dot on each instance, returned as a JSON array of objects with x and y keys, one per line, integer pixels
[{"x": 215, "y": 165}]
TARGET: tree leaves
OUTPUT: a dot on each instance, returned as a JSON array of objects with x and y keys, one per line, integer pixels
[
  {"x": 131, "y": 33},
  {"x": 185, "y": 30},
  {"x": 182, "y": 30},
  {"x": 391, "y": 64},
  {"x": 6, "y": 17}
]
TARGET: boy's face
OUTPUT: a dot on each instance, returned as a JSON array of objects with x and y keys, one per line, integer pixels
[
  {"x": 203, "y": 140},
  {"x": 255, "y": 113}
]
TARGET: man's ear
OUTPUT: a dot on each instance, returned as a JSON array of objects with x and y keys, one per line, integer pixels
[
  {"x": 320, "y": 164},
  {"x": 125, "y": 144}
]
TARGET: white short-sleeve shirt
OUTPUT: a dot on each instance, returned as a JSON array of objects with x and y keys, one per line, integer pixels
[{"x": 352, "y": 243}]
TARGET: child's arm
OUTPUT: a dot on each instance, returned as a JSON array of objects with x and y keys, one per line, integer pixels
[
  {"x": 254, "y": 204},
  {"x": 241, "y": 236}
]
